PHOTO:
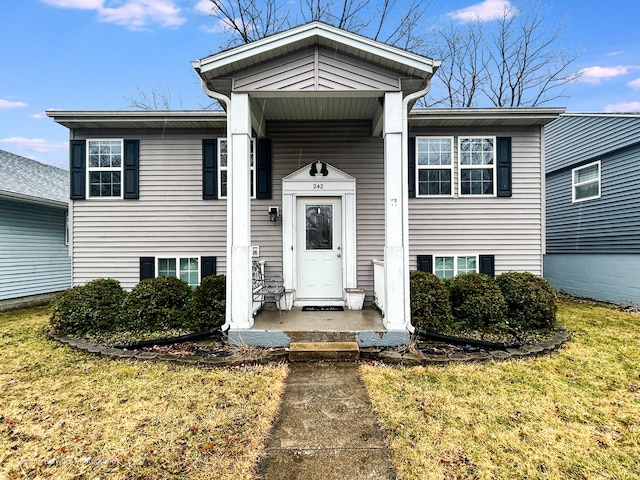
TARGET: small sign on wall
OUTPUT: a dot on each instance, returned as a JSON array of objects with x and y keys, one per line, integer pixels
[{"x": 255, "y": 251}]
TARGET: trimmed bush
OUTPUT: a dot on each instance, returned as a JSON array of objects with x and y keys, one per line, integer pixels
[
  {"x": 430, "y": 307},
  {"x": 90, "y": 308},
  {"x": 155, "y": 304},
  {"x": 477, "y": 303},
  {"x": 208, "y": 304},
  {"x": 531, "y": 300}
]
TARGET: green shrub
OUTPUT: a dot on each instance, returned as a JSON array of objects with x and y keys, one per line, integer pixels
[
  {"x": 531, "y": 300},
  {"x": 477, "y": 303},
  {"x": 155, "y": 304},
  {"x": 207, "y": 309},
  {"x": 90, "y": 308},
  {"x": 430, "y": 307}
]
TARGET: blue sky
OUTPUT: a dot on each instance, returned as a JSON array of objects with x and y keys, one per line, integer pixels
[{"x": 91, "y": 54}]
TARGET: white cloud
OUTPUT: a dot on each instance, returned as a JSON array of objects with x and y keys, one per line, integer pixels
[
  {"x": 133, "y": 14},
  {"x": 614, "y": 54},
  {"x": 35, "y": 144},
  {"x": 598, "y": 74},
  {"x": 485, "y": 11},
  {"x": 204, "y": 6},
  {"x": 81, "y": 4},
  {"x": 623, "y": 107},
  {"x": 635, "y": 84},
  {"x": 6, "y": 104},
  {"x": 39, "y": 116}
]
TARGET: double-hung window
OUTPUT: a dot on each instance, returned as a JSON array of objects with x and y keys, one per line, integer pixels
[
  {"x": 434, "y": 165},
  {"x": 586, "y": 182},
  {"x": 454, "y": 265},
  {"x": 477, "y": 165},
  {"x": 223, "y": 167},
  {"x": 104, "y": 168},
  {"x": 185, "y": 268}
]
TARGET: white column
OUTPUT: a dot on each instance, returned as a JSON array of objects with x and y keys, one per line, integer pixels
[
  {"x": 239, "y": 297},
  {"x": 396, "y": 248}
]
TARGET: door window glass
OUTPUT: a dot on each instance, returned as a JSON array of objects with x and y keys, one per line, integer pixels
[{"x": 319, "y": 227}]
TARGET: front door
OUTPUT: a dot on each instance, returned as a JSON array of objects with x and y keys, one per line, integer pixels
[{"x": 319, "y": 242}]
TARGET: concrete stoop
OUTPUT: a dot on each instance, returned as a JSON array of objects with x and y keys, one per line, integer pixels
[{"x": 319, "y": 351}]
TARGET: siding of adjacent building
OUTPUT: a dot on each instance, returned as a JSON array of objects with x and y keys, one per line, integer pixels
[
  {"x": 593, "y": 246},
  {"x": 34, "y": 259},
  {"x": 509, "y": 228}
]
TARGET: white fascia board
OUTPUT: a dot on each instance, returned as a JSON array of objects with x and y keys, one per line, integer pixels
[
  {"x": 70, "y": 118},
  {"x": 33, "y": 200},
  {"x": 535, "y": 115},
  {"x": 306, "y": 32}
]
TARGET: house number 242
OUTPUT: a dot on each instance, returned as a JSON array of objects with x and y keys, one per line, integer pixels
[{"x": 318, "y": 186}]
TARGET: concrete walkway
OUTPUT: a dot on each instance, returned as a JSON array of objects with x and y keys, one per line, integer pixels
[{"x": 326, "y": 428}]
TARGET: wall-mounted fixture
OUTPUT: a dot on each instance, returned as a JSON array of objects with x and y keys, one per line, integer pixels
[{"x": 274, "y": 213}]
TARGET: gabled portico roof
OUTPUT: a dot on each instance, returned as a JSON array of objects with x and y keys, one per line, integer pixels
[{"x": 405, "y": 64}]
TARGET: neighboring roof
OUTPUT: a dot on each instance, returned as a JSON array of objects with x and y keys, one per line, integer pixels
[
  {"x": 484, "y": 117},
  {"x": 139, "y": 118},
  {"x": 225, "y": 63},
  {"x": 578, "y": 138},
  {"x": 24, "y": 179}
]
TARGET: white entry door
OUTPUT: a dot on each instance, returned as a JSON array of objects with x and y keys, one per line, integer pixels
[{"x": 319, "y": 241}]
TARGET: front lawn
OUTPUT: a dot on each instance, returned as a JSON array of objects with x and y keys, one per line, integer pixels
[
  {"x": 66, "y": 414},
  {"x": 572, "y": 415}
]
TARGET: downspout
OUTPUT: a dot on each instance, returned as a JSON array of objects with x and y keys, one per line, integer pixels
[
  {"x": 227, "y": 102},
  {"x": 405, "y": 178}
]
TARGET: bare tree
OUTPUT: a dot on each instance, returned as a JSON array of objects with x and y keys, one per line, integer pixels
[
  {"x": 511, "y": 61},
  {"x": 158, "y": 98}
]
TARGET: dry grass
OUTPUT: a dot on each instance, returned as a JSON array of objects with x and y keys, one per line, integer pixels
[
  {"x": 572, "y": 415},
  {"x": 65, "y": 414}
]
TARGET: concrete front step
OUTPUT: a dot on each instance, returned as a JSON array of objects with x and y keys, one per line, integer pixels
[{"x": 318, "y": 351}]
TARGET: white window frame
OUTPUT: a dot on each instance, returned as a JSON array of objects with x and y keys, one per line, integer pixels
[
  {"x": 252, "y": 167},
  {"x": 575, "y": 185},
  {"x": 455, "y": 262},
  {"x": 177, "y": 258},
  {"x": 491, "y": 167},
  {"x": 450, "y": 167},
  {"x": 104, "y": 169}
]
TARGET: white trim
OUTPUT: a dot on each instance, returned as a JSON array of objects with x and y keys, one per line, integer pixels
[
  {"x": 574, "y": 185},
  {"x": 336, "y": 184},
  {"x": 491, "y": 166},
  {"x": 435, "y": 167},
  {"x": 104, "y": 169}
]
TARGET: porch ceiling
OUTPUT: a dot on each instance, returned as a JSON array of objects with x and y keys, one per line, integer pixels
[{"x": 316, "y": 108}]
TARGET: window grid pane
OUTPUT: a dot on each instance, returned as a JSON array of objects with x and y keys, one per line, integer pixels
[
  {"x": 167, "y": 267},
  {"x": 104, "y": 163},
  {"x": 586, "y": 182},
  {"x": 223, "y": 166},
  {"x": 189, "y": 271},
  {"x": 466, "y": 265},
  {"x": 434, "y": 164},
  {"x": 444, "y": 267}
]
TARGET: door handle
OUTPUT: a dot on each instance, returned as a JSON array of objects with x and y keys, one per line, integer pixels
[{"x": 339, "y": 255}]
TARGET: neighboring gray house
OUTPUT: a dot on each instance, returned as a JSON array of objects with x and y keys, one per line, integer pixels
[
  {"x": 319, "y": 167},
  {"x": 34, "y": 257},
  {"x": 593, "y": 206}
]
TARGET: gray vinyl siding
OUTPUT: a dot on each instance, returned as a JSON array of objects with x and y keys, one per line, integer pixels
[
  {"x": 316, "y": 69},
  {"x": 509, "y": 228},
  {"x": 169, "y": 218},
  {"x": 610, "y": 277},
  {"x": 574, "y": 139},
  {"x": 609, "y": 224},
  {"x": 347, "y": 146},
  {"x": 34, "y": 259}
]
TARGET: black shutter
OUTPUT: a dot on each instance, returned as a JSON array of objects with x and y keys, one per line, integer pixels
[
  {"x": 207, "y": 266},
  {"x": 77, "y": 162},
  {"x": 425, "y": 263},
  {"x": 131, "y": 156},
  {"x": 210, "y": 169},
  {"x": 412, "y": 167},
  {"x": 263, "y": 171},
  {"x": 487, "y": 265},
  {"x": 503, "y": 150},
  {"x": 147, "y": 267}
]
